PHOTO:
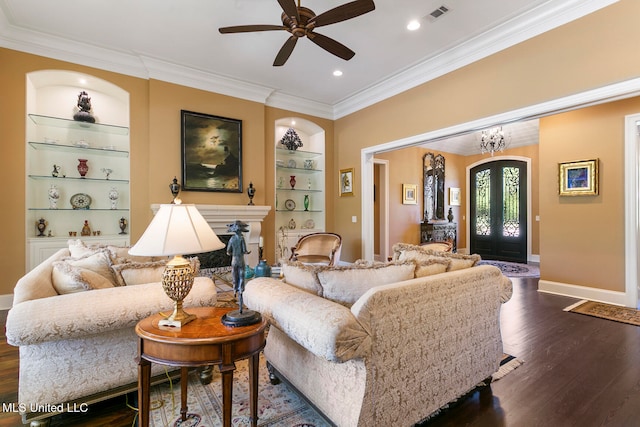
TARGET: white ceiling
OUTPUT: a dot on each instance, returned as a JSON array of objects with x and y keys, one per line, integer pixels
[{"x": 179, "y": 42}]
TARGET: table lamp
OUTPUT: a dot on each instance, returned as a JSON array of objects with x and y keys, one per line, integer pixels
[{"x": 177, "y": 229}]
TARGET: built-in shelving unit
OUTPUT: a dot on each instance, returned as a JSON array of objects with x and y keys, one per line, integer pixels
[
  {"x": 294, "y": 217},
  {"x": 55, "y": 143}
]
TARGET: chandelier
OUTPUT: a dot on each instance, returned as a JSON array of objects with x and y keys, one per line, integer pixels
[{"x": 493, "y": 140}]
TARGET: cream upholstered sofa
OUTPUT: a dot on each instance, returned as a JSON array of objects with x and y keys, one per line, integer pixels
[
  {"x": 80, "y": 346},
  {"x": 366, "y": 353}
]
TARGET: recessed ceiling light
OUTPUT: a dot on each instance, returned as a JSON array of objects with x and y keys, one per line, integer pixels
[
  {"x": 337, "y": 73},
  {"x": 413, "y": 25},
  {"x": 83, "y": 81}
]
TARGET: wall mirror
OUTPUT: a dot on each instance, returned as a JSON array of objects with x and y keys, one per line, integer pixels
[{"x": 433, "y": 179}]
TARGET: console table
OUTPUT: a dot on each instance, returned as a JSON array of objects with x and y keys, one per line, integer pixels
[
  {"x": 439, "y": 232},
  {"x": 203, "y": 341}
]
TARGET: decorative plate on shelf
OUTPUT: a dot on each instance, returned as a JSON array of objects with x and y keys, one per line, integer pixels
[
  {"x": 80, "y": 201},
  {"x": 289, "y": 204},
  {"x": 309, "y": 223},
  {"x": 292, "y": 163}
]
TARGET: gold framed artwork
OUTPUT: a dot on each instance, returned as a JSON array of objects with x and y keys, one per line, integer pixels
[
  {"x": 409, "y": 194},
  {"x": 346, "y": 182},
  {"x": 579, "y": 178},
  {"x": 454, "y": 196}
]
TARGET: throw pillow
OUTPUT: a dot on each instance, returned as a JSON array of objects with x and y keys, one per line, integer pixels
[
  {"x": 431, "y": 267},
  {"x": 301, "y": 276},
  {"x": 406, "y": 252},
  {"x": 137, "y": 273},
  {"x": 68, "y": 279},
  {"x": 98, "y": 262},
  {"x": 345, "y": 285}
]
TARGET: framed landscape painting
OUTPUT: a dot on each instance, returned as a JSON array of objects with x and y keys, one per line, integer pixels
[
  {"x": 211, "y": 153},
  {"x": 579, "y": 178}
]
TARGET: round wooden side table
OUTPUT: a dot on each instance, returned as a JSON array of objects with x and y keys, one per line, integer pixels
[{"x": 203, "y": 341}]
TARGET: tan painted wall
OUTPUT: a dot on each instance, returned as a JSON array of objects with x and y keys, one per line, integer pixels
[
  {"x": 585, "y": 54},
  {"x": 585, "y": 233}
]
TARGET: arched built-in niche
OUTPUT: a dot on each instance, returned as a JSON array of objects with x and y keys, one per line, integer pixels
[
  {"x": 299, "y": 208},
  {"x": 55, "y": 143}
]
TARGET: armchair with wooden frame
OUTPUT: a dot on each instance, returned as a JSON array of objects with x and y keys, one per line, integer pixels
[{"x": 318, "y": 248}]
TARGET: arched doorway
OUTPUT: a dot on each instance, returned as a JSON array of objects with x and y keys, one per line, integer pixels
[{"x": 498, "y": 210}]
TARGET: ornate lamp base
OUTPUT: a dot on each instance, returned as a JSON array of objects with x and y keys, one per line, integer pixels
[
  {"x": 177, "y": 280},
  {"x": 244, "y": 318}
]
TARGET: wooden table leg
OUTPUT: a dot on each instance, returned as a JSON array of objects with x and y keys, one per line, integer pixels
[
  {"x": 227, "y": 392},
  {"x": 184, "y": 379},
  {"x": 144, "y": 385},
  {"x": 253, "y": 388}
]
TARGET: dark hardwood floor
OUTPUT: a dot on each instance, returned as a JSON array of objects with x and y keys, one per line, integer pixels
[{"x": 577, "y": 371}]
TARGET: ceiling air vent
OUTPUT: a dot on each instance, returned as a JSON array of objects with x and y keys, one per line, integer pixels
[{"x": 439, "y": 12}]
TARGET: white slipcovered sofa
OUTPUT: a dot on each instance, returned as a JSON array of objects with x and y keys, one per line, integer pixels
[
  {"x": 80, "y": 346},
  {"x": 366, "y": 353}
]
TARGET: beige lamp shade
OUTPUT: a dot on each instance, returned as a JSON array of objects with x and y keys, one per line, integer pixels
[{"x": 177, "y": 229}]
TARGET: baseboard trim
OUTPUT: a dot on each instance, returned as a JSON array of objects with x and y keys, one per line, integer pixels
[
  {"x": 582, "y": 292},
  {"x": 534, "y": 258},
  {"x": 6, "y": 301}
]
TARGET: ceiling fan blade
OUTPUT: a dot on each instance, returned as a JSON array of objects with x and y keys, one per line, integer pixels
[
  {"x": 344, "y": 12},
  {"x": 331, "y": 46},
  {"x": 249, "y": 28},
  {"x": 290, "y": 8},
  {"x": 285, "y": 51}
]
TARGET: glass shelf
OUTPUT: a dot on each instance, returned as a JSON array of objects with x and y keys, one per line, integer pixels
[
  {"x": 75, "y": 149},
  {"x": 297, "y": 153},
  {"x": 299, "y": 190},
  {"x": 74, "y": 124},
  {"x": 298, "y": 170},
  {"x": 298, "y": 210},
  {"x": 117, "y": 181},
  {"x": 79, "y": 210}
]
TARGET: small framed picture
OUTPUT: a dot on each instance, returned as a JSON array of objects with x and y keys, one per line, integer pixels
[
  {"x": 454, "y": 196},
  {"x": 579, "y": 178},
  {"x": 346, "y": 182},
  {"x": 409, "y": 194}
]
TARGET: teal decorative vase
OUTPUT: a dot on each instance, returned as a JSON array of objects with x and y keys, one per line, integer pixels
[
  {"x": 248, "y": 272},
  {"x": 306, "y": 202},
  {"x": 262, "y": 269}
]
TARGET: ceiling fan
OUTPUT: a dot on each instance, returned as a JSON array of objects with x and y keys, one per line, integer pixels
[{"x": 301, "y": 21}]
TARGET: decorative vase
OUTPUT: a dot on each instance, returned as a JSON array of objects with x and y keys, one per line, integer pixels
[
  {"x": 262, "y": 269},
  {"x": 83, "y": 168},
  {"x": 280, "y": 181},
  {"x": 56, "y": 171},
  {"x": 54, "y": 195},
  {"x": 450, "y": 215},
  {"x": 251, "y": 192},
  {"x": 41, "y": 225},
  {"x": 292, "y": 224},
  {"x": 113, "y": 196},
  {"x": 175, "y": 189},
  {"x": 123, "y": 225},
  {"x": 86, "y": 230},
  {"x": 292, "y": 181},
  {"x": 306, "y": 202}
]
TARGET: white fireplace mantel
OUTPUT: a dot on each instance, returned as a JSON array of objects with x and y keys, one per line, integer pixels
[{"x": 220, "y": 216}]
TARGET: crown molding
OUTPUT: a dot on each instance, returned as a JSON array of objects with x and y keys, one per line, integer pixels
[
  {"x": 528, "y": 25},
  {"x": 199, "y": 79},
  {"x": 300, "y": 105}
]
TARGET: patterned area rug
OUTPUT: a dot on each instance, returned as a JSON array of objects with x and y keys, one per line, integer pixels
[
  {"x": 514, "y": 269},
  {"x": 278, "y": 405},
  {"x": 606, "y": 311}
]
